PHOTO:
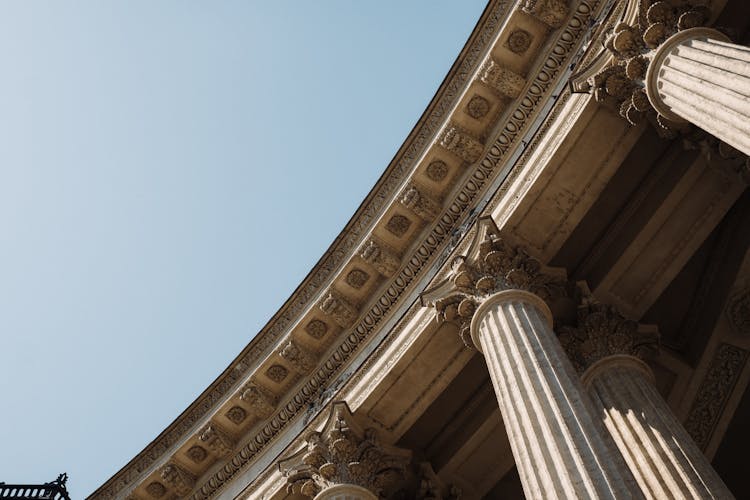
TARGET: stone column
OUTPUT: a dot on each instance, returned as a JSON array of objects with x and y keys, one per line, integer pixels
[
  {"x": 345, "y": 462},
  {"x": 671, "y": 70},
  {"x": 346, "y": 492},
  {"x": 662, "y": 457},
  {"x": 698, "y": 76},
  {"x": 494, "y": 295}
]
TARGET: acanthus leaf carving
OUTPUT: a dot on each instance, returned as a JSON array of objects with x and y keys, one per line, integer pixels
[
  {"x": 491, "y": 265},
  {"x": 381, "y": 257},
  {"x": 715, "y": 389},
  {"x": 178, "y": 479},
  {"x": 550, "y": 12},
  {"x": 432, "y": 488},
  {"x": 344, "y": 453},
  {"x": 302, "y": 360},
  {"x": 261, "y": 401},
  {"x": 216, "y": 440},
  {"x": 632, "y": 47},
  {"x": 338, "y": 308},
  {"x": 461, "y": 143},
  {"x": 602, "y": 331},
  {"x": 420, "y": 203},
  {"x": 505, "y": 82}
]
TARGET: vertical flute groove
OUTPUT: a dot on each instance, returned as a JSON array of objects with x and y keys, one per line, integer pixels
[{"x": 557, "y": 446}]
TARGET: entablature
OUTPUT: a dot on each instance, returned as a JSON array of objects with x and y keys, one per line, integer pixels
[{"x": 492, "y": 98}]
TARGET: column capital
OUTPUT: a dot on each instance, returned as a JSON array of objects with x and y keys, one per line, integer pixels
[
  {"x": 657, "y": 60},
  {"x": 344, "y": 454},
  {"x": 492, "y": 265},
  {"x": 632, "y": 48},
  {"x": 506, "y": 296},
  {"x": 603, "y": 333}
]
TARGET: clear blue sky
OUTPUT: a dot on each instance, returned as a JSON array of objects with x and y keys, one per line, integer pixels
[{"x": 169, "y": 172}]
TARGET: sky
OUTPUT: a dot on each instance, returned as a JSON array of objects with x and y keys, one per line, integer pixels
[{"x": 169, "y": 173}]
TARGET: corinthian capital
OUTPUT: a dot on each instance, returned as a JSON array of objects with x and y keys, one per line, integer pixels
[
  {"x": 344, "y": 453},
  {"x": 491, "y": 265},
  {"x": 633, "y": 47},
  {"x": 603, "y": 332}
]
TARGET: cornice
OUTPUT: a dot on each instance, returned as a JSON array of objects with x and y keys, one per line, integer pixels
[{"x": 442, "y": 220}]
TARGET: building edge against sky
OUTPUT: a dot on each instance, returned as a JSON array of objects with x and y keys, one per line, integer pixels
[{"x": 545, "y": 293}]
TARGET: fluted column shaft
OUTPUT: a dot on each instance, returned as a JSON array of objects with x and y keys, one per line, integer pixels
[
  {"x": 346, "y": 492},
  {"x": 556, "y": 445},
  {"x": 663, "y": 458},
  {"x": 698, "y": 76}
]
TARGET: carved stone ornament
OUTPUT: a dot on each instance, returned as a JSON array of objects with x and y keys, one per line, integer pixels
[
  {"x": 335, "y": 306},
  {"x": 216, "y": 440},
  {"x": 603, "y": 332},
  {"x": 505, "y": 82},
  {"x": 420, "y": 203},
  {"x": 738, "y": 312},
  {"x": 178, "y": 479},
  {"x": 197, "y": 454},
  {"x": 461, "y": 143},
  {"x": 236, "y": 415},
  {"x": 344, "y": 453},
  {"x": 357, "y": 278},
  {"x": 478, "y": 107},
  {"x": 398, "y": 225},
  {"x": 550, "y": 12},
  {"x": 437, "y": 170},
  {"x": 302, "y": 360},
  {"x": 518, "y": 41},
  {"x": 381, "y": 257},
  {"x": 432, "y": 488},
  {"x": 491, "y": 265},
  {"x": 316, "y": 329},
  {"x": 714, "y": 392},
  {"x": 156, "y": 489},
  {"x": 261, "y": 401},
  {"x": 622, "y": 82},
  {"x": 277, "y": 373}
]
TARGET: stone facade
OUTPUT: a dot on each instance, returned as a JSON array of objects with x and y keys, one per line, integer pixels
[{"x": 546, "y": 294}]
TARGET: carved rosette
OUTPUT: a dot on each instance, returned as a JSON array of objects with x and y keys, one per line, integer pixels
[
  {"x": 623, "y": 81},
  {"x": 491, "y": 265},
  {"x": 178, "y": 479},
  {"x": 603, "y": 332},
  {"x": 344, "y": 453}
]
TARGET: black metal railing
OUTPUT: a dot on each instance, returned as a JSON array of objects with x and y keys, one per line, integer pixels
[{"x": 54, "y": 490}]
